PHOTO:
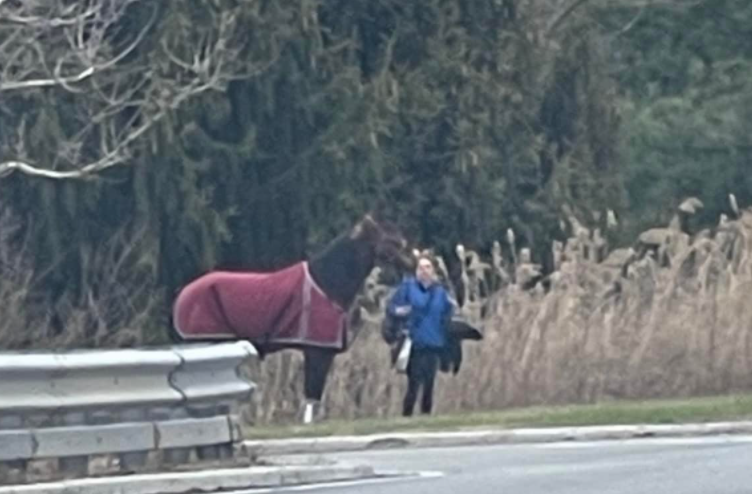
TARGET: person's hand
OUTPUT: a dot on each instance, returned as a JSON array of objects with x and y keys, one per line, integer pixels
[{"x": 402, "y": 310}]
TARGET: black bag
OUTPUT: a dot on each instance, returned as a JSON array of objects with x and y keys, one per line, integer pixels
[{"x": 392, "y": 326}]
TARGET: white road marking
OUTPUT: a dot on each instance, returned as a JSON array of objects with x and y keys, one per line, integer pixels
[
  {"x": 390, "y": 477},
  {"x": 668, "y": 441}
]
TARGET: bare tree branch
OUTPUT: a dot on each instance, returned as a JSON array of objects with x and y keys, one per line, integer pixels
[
  {"x": 562, "y": 16},
  {"x": 117, "y": 89},
  {"x": 559, "y": 18},
  {"x": 32, "y": 83},
  {"x": 53, "y": 22},
  {"x": 628, "y": 26}
]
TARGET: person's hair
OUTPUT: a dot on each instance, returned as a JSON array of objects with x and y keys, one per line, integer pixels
[{"x": 426, "y": 257}]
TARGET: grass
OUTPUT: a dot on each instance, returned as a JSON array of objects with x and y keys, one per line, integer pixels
[{"x": 696, "y": 410}]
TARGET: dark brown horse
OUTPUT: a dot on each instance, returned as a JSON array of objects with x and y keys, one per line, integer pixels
[{"x": 304, "y": 306}]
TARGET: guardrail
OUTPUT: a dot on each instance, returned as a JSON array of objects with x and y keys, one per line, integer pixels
[{"x": 80, "y": 413}]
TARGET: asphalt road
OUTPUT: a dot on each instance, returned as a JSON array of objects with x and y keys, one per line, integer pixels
[{"x": 716, "y": 465}]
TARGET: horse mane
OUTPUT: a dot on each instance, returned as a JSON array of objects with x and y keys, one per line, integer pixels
[{"x": 342, "y": 266}]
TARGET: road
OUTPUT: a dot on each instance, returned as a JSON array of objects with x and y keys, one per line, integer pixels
[{"x": 714, "y": 465}]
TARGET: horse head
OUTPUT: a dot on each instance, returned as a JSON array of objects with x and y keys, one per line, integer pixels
[{"x": 389, "y": 243}]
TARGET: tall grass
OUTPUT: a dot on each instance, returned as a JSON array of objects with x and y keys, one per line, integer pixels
[
  {"x": 115, "y": 303},
  {"x": 678, "y": 323}
]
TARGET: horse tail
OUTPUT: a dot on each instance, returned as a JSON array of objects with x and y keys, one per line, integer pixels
[{"x": 172, "y": 330}]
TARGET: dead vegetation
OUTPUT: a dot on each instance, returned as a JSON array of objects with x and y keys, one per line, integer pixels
[
  {"x": 666, "y": 317},
  {"x": 116, "y": 303}
]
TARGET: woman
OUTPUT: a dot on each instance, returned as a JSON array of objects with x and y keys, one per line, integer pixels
[{"x": 426, "y": 306}]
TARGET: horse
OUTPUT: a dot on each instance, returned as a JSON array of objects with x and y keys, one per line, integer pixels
[{"x": 304, "y": 306}]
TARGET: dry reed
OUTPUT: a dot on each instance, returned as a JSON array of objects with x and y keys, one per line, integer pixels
[
  {"x": 115, "y": 303},
  {"x": 677, "y": 324}
]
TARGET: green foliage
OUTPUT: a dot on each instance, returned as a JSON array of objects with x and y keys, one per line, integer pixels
[
  {"x": 686, "y": 100},
  {"x": 471, "y": 117}
]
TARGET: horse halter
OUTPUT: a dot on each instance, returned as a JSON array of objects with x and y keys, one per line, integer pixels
[
  {"x": 388, "y": 245},
  {"x": 382, "y": 233}
]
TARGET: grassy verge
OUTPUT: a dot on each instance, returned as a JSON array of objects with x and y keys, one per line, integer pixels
[{"x": 696, "y": 410}]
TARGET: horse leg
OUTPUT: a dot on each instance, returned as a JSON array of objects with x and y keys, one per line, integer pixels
[{"x": 318, "y": 362}]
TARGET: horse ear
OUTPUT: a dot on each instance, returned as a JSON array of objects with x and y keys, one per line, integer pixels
[{"x": 366, "y": 221}]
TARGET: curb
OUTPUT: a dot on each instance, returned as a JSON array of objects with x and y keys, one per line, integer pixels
[
  {"x": 203, "y": 481},
  {"x": 333, "y": 444}
]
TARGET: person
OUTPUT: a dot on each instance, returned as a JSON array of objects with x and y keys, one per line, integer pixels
[{"x": 426, "y": 309}]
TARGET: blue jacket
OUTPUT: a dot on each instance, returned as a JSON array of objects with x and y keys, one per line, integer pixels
[{"x": 427, "y": 323}]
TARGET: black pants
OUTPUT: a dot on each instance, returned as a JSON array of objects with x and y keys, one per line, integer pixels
[{"x": 421, "y": 372}]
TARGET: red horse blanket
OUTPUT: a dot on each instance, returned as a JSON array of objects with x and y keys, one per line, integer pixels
[{"x": 284, "y": 307}]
